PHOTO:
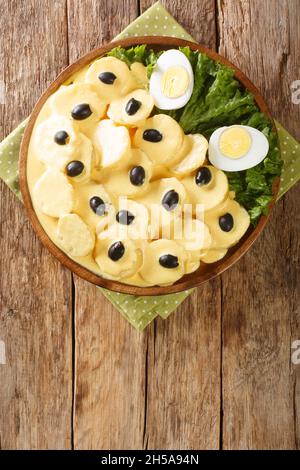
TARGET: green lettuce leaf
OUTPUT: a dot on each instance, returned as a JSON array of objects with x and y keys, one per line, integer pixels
[{"x": 218, "y": 99}]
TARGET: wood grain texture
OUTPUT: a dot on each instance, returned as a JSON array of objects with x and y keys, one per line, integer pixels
[
  {"x": 183, "y": 375},
  {"x": 110, "y": 376},
  {"x": 261, "y": 294},
  {"x": 35, "y": 296},
  {"x": 93, "y": 23},
  {"x": 196, "y": 16}
]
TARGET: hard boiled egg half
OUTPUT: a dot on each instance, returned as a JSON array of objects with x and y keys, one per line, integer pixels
[
  {"x": 237, "y": 148},
  {"x": 172, "y": 80}
]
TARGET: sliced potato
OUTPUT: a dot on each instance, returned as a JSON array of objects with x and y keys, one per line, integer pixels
[
  {"x": 132, "y": 219},
  {"x": 181, "y": 154},
  {"x": 164, "y": 200},
  {"x": 96, "y": 216},
  {"x": 111, "y": 143},
  {"x": 85, "y": 155},
  {"x": 213, "y": 255},
  {"x": 195, "y": 238},
  {"x": 227, "y": 223},
  {"x": 55, "y": 142},
  {"x": 208, "y": 194},
  {"x": 79, "y": 102},
  {"x": 117, "y": 257},
  {"x": 126, "y": 181},
  {"x": 159, "y": 172},
  {"x": 191, "y": 266},
  {"x": 194, "y": 158},
  {"x": 74, "y": 236},
  {"x": 168, "y": 252},
  {"x": 112, "y": 78},
  {"x": 159, "y": 189},
  {"x": 133, "y": 109},
  {"x": 160, "y": 138},
  {"x": 52, "y": 194}
]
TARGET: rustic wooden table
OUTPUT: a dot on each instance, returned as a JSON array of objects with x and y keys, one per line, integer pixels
[{"x": 218, "y": 373}]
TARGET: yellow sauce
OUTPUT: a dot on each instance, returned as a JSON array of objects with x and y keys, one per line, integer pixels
[{"x": 158, "y": 159}]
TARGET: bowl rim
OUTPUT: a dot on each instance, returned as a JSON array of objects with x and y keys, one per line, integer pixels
[{"x": 190, "y": 280}]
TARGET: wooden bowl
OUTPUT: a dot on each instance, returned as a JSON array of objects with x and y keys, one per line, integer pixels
[{"x": 205, "y": 271}]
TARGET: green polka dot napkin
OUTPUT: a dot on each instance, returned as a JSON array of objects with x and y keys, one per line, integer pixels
[
  {"x": 290, "y": 153},
  {"x": 139, "y": 310},
  {"x": 156, "y": 21}
]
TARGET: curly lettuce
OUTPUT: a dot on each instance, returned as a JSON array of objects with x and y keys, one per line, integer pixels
[{"x": 218, "y": 99}]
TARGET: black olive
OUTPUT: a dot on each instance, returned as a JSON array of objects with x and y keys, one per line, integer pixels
[
  {"x": 137, "y": 175},
  {"x": 168, "y": 261},
  {"x": 203, "y": 176},
  {"x": 116, "y": 251},
  {"x": 61, "y": 137},
  {"x": 81, "y": 111},
  {"x": 97, "y": 205},
  {"x": 226, "y": 222},
  {"x": 132, "y": 106},
  {"x": 107, "y": 77},
  {"x": 125, "y": 217},
  {"x": 170, "y": 200},
  {"x": 74, "y": 168},
  {"x": 152, "y": 135}
]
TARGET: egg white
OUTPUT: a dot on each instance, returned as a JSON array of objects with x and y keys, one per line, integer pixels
[
  {"x": 168, "y": 59},
  {"x": 255, "y": 155}
]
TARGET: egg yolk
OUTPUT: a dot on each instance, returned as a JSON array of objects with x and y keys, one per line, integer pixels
[
  {"x": 235, "y": 142},
  {"x": 174, "y": 82}
]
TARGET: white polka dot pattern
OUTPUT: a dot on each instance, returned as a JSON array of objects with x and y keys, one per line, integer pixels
[
  {"x": 156, "y": 21},
  {"x": 291, "y": 160},
  {"x": 140, "y": 311}
]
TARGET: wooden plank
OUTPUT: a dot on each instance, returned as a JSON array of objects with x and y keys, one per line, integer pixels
[
  {"x": 261, "y": 293},
  {"x": 110, "y": 354},
  {"x": 183, "y": 380},
  {"x": 35, "y": 297},
  {"x": 183, "y": 392},
  {"x": 197, "y": 17},
  {"x": 92, "y": 23},
  {"x": 110, "y": 375}
]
